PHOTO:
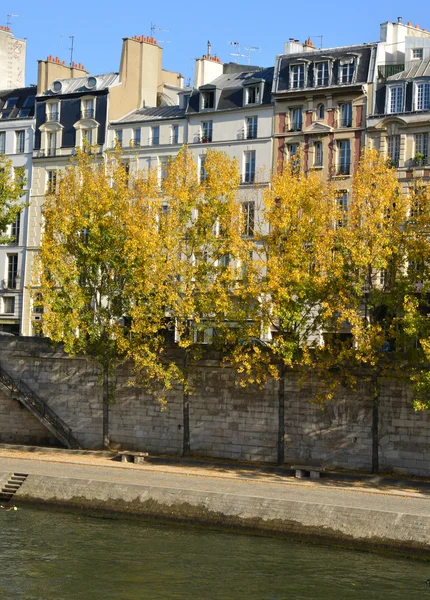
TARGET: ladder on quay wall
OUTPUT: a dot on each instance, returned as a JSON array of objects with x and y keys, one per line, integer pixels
[
  {"x": 12, "y": 486},
  {"x": 19, "y": 390}
]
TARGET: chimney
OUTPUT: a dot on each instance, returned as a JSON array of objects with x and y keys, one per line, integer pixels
[
  {"x": 293, "y": 46},
  {"x": 53, "y": 68},
  {"x": 207, "y": 69},
  {"x": 308, "y": 45},
  {"x": 399, "y": 20}
]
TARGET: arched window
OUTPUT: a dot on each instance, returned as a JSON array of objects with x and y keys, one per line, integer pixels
[{"x": 320, "y": 112}]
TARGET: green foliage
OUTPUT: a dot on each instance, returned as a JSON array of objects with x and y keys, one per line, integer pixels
[{"x": 11, "y": 192}]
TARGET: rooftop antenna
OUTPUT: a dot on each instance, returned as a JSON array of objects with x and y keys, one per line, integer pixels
[
  {"x": 250, "y": 49},
  {"x": 209, "y": 49},
  {"x": 238, "y": 54},
  {"x": 9, "y": 20},
  {"x": 72, "y": 46},
  {"x": 154, "y": 28},
  {"x": 320, "y": 37}
]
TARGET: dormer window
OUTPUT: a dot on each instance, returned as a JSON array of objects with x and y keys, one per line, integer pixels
[
  {"x": 417, "y": 53},
  {"x": 52, "y": 111},
  {"x": 297, "y": 79},
  {"x": 253, "y": 94},
  {"x": 322, "y": 74},
  {"x": 347, "y": 70},
  {"x": 208, "y": 100}
]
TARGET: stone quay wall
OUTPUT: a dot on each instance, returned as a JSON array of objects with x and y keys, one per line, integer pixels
[{"x": 226, "y": 421}]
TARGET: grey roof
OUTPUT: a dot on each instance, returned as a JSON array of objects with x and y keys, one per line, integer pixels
[
  {"x": 417, "y": 69},
  {"x": 231, "y": 86},
  {"x": 78, "y": 85},
  {"x": 283, "y": 61},
  {"x": 21, "y": 103},
  {"x": 153, "y": 114}
]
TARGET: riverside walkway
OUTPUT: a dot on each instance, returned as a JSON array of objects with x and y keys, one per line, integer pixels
[{"x": 371, "y": 511}]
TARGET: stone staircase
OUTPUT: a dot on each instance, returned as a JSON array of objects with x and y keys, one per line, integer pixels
[
  {"x": 19, "y": 390},
  {"x": 12, "y": 486}
]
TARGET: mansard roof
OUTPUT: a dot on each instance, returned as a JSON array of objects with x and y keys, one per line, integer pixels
[
  {"x": 231, "y": 85},
  {"x": 78, "y": 85},
  {"x": 417, "y": 68},
  {"x": 17, "y": 103},
  {"x": 361, "y": 52},
  {"x": 157, "y": 113}
]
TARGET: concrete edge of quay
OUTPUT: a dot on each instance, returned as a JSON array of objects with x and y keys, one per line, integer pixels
[{"x": 396, "y": 532}]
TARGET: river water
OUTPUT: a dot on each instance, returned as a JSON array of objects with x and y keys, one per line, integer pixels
[{"x": 56, "y": 555}]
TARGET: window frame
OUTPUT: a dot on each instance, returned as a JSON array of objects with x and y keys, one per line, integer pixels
[{"x": 389, "y": 102}]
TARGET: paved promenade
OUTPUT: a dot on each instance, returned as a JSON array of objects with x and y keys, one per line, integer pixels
[{"x": 233, "y": 495}]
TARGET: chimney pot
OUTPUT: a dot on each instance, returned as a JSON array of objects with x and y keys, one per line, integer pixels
[
  {"x": 409, "y": 23},
  {"x": 399, "y": 19}
]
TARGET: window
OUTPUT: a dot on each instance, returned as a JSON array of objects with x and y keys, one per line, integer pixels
[
  {"x": 52, "y": 111},
  {"x": 249, "y": 175},
  {"x": 174, "y": 138},
  {"x": 51, "y": 181},
  {"x": 297, "y": 76},
  {"x": 346, "y": 115},
  {"x": 322, "y": 74},
  {"x": 422, "y": 92},
  {"x": 318, "y": 154},
  {"x": 206, "y": 131},
  {"x": 5, "y": 114},
  {"x": 87, "y": 137},
  {"x": 347, "y": 69},
  {"x": 296, "y": 119},
  {"x": 164, "y": 167},
  {"x": 155, "y": 136},
  {"x": 136, "y": 137},
  {"x": 202, "y": 161},
  {"x": 208, "y": 99},
  {"x": 342, "y": 204},
  {"x": 12, "y": 270},
  {"x": 417, "y": 201},
  {"x": 344, "y": 150},
  {"x": 248, "y": 210},
  {"x": 320, "y": 112},
  {"x": 421, "y": 147},
  {"x": 417, "y": 53},
  {"x": 395, "y": 104},
  {"x": 253, "y": 94},
  {"x": 118, "y": 137},
  {"x": 2, "y": 142},
  {"x": 15, "y": 229},
  {"x": 87, "y": 111},
  {"x": 11, "y": 103},
  {"x": 251, "y": 127},
  {"x": 393, "y": 149},
  {"x": 19, "y": 142},
  {"x": 9, "y": 304},
  {"x": 51, "y": 146}
]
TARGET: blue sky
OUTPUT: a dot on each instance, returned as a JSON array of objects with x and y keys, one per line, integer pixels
[{"x": 99, "y": 27}]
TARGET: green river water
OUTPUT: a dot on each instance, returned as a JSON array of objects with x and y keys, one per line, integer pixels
[{"x": 56, "y": 555}]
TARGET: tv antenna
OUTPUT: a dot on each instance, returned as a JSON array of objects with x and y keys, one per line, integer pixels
[
  {"x": 72, "y": 46},
  {"x": 154, "y": 28},
  {"x": 9, "y": 20},
  {"x": 320, "y": 37},
  {"x": 247, "y": 49}
]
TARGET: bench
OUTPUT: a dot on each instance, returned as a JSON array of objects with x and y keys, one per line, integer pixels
[
  {"x": 303, "y": 471},
  {"x": 134, "y": 457}
]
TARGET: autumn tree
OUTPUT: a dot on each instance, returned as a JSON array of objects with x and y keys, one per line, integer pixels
[
  {"x": 11, "y": 192},
  {"x": 84, "y": 274},
  {"x": 208, "y": 257}
]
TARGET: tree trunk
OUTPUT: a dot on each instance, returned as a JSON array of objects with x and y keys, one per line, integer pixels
[
  {"x": 281, "y": 414},
  {"x": 186, "y": 448},
  {"x": 375, "y": 426},
  {"x": 106, "y": 440}
]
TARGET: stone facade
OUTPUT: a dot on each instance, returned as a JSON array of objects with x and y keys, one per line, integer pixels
[{"x": 226, "y": 421}]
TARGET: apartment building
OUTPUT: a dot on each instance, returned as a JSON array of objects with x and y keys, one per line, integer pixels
[{"x": 16, "y": 142}]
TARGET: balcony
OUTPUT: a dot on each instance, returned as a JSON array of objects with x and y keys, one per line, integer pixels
[
  {"x": 418, "y": 163},
  {"x": 385, "y": 71},
  {"x": 343, "y": 168},
  {"x": 52, "y": 116},
  {"x": 247, "y": 178},
  {"x": 203, "y": 138},
  {"x": 174, "y": 139},
  {"x": 154, "y": 141},
  {"x": 248, "y": 133},
  {"x": 345, "y": 122},
  {"x": 88, "y": 113},
  {"x": 46, "y": 153}
]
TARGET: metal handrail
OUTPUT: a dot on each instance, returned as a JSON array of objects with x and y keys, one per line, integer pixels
[{"x": 19, "y": 386}]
